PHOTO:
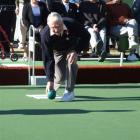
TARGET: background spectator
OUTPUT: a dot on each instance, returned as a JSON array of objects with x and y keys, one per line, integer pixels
[
  {"x": 122, "y": 23},
  {"x": 34, "y": 13},
  {"x": 93, "y": 16}
]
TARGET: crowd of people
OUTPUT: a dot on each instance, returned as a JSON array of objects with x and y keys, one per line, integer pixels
[{"x": 101, "y": 18}]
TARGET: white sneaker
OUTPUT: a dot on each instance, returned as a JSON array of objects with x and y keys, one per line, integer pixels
[
  {"x": 67, "y": 96},
  {"x": 133, "y": 44},
  {"x": 132, "y": 57}
]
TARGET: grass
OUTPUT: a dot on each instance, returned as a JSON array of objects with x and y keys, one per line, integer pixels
[{"x": 100, "y": 112}]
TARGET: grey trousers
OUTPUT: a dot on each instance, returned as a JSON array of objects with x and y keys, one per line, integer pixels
[
  {"x": 94, "y": 39},
  {"x": 65, "y": 73},
  {"x": 130, "y": 29}
]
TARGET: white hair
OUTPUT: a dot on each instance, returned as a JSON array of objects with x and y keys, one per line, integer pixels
[{"x": 54, "y": 17}]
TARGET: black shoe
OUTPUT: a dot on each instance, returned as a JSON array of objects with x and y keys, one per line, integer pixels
[
  {"x": 102, "y": 57},
  {"x": 137, "y": 55}
]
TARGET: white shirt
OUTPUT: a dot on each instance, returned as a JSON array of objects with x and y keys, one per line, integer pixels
[{"x": 66, "y": 6}]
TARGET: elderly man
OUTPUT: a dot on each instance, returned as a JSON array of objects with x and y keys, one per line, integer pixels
[
  {"x": 77, "y": 2},
  {"x": 61, "y": 41}
]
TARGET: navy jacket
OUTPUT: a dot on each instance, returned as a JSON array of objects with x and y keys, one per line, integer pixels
[
  {"x": 60, "y": 8},
  {"x": 75, "y": 38},
  {"x": 93, "y": 13}
]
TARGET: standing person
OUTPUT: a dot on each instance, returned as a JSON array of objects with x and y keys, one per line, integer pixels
[
  {"x": 20, "y": 32},
  {"x": 136, "y": 12},
  {"x": 122, "y": 23},
  {"x": 7, "y": 21},
  {"x": 93, "y": 14},
  {"x": 34, "y": 13},
  {"x": 61, "y": 41}
]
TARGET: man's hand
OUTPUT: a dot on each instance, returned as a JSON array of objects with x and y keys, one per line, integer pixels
[
  {"x": 95, "y": 28},
  {"x": 17, "y": 11},
  {"x": 123, "y": 20},
  {"x": 50, "y": 85},
  {"x": 72, "y": 57}
]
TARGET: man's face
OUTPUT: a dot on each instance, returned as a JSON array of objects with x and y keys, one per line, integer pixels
[{"x": 56, "y": 27}]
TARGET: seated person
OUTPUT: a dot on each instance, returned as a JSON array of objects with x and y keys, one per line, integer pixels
[
  {"x": 77, "y": 2},
  {"x": 136, "y": 12},
  {"x": 34, "y": 13},
  {"x": 65, "y": 9},
  {"x": 93, "y": 16},
  {"x": 122, "y": 23}
]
